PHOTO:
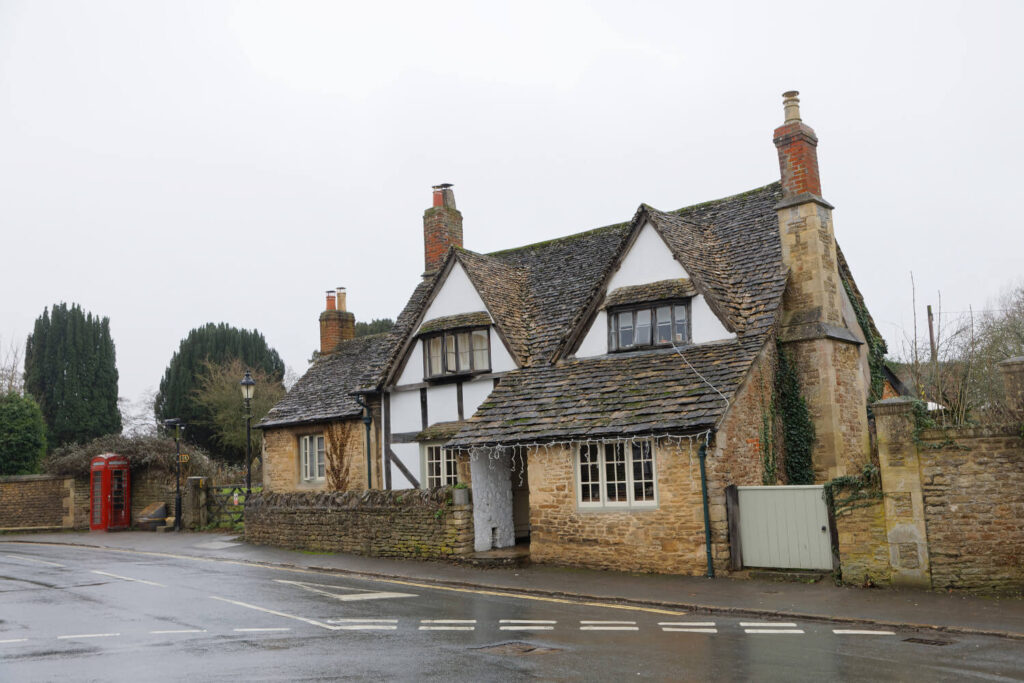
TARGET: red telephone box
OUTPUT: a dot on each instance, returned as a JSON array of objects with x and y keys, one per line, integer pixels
[{"x": 109, "y": 493}]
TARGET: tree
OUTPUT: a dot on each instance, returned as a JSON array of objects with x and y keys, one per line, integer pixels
[
  {"x": 211, "y": 343},
  {"x": 12, "y": 381},
  {"x": 22, "y": 434},
  {"x": 219, "y": 396},
  {"x": 71, "y": 371},
  {"x": 375, "y": 326}
]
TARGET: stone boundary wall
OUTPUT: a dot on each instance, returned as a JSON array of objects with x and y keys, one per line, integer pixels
[
  {"x": 973, "y": 489},
  {"x": 37, "y": 502},
  {"x": 410, "y": 523}
]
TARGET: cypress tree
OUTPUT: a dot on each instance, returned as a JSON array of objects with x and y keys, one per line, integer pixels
[
  {"x": 22, "y": 435},
  {"x": 213, "y": 343},
  {"x": 71, "y": 372}
]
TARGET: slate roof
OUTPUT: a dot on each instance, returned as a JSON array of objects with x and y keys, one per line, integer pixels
[
  {"x": 323, "y": 393},
  {"x": 454, "y": 322},
  {"x": 655, "y": 291}
]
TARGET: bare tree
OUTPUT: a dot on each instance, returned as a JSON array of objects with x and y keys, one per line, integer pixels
[{"x": 12, "y": 378}]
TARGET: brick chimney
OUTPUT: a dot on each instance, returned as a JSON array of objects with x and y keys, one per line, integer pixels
[
  {"x": 336, "y": 324},
  {"x": 798, "y": 151},
  {"x": 442, "y": 228}
]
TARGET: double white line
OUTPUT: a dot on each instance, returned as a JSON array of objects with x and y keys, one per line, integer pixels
[
  {"x": 447, "y": 624},
  {"x": 774, "y": 627},
  {"x": 526, "y": 624},
  {"x": 688, "y": 626}
]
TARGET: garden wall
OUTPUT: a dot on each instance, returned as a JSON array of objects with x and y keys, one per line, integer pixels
[
  {"x": 411, "y": 523},
  {"x": 39, "y": 502}
]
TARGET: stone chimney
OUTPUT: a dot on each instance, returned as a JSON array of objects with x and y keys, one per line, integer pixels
[
  {"x": 442, "y": 228},
  {"x": 336, "y": 324},
  {"x": 798, "y": 152},
  {"x": 1013, "y": 382}
]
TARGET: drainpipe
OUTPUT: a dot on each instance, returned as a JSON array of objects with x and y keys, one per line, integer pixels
[
  {"x": 367, "y": 419},
  {"x": 702, "y": 453}
]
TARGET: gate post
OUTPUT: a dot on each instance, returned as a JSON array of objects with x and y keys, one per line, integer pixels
[
  {"x": 195, "y": 513},
  {"x": 732, "y": 513}
]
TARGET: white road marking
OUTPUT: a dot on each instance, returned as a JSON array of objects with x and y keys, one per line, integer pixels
[
  {"x": 527, "y": 621},
  {"x": 14, "y": 640},
  {"x": 861, "y": 632},
  {"x": 447, "y": 624},
  {"x": 609, "y": 623},
  {"x": 526, "y": 628},
  {"x": 686, "y": 623},
  {"x": 671, "y": 629},
  {"x": 89, "y": 635},
  {"x": 767, "y": 624},
  {"x": 355, "y": 624},
  {"x": 609, "y": 628},
  {"x": 362, "y": 621},
  {"x": 358, "y": 595},
  {"x": 447, "y": 628},
  {"x": 314, "y": 622},
  {"x": 368, "y": 627},
  {"x": 447, "y": 621},
  {"x": 182, "y": 630},
  {"x": 32, "y": 559},
  {"x": 259, "y": 630},
  {"x": 773, "y": 630},
  {"x": 128, "y": 578}
]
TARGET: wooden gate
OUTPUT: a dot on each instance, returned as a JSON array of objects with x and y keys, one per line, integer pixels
[
  {"x": 226, "y": 505},
  {"x": 784, "y": 527}
]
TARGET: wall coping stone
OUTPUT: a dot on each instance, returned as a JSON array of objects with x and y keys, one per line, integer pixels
[{"x": 13, "y": 478}]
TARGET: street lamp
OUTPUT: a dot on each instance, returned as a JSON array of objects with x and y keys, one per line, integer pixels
[
  {"x": 248, "y": 385},
  {"x": 179, "y": 426}
]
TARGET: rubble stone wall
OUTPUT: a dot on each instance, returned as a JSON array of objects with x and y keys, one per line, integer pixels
[
  {"x": 36, "y": 501},
  {"x": 410, "y": 523}
]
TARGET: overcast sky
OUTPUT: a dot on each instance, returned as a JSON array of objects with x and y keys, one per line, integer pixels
[{"x": 169, "y": 164}]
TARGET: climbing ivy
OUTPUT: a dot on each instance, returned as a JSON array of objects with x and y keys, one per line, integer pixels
[
  {"x": 854, "y": 491},
  {"x": 875, "y": 343},
  {"x": 797, "y": 427},
  {"x": 769, "y": 462}
]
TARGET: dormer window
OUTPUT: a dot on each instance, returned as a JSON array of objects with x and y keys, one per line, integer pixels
[
  {"x": 648, "y": 325},
  {"x": 456, "y": 352}
]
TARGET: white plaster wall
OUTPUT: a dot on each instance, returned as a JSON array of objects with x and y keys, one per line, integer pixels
[
  {"x": 704, "y": 324},
  {"x": 595, "y": 343},
  {"x": 492, "y": 501},
  {"x": 412, "y": 373},
  {"x": 405, "y": 411},
  {"x": 409, "y": 454},
  {"x": 475, "y": 393},
  {"x": 442, "y": 404},
  {"x": 501, "y": 359},
  {"x": 648, "y": 260},
  {"x": 457, "y": 295}
]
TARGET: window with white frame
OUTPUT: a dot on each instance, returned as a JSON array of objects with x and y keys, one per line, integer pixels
[
  {"x": 312, "y": 457},
  {"x": 457, "y": 352},
  {"x": 619, "y": 474},
  {"x": 440, "y": 466},
  {"x": 657, "y": 324}
]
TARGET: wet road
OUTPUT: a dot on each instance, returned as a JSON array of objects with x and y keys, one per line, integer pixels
[{"x": 94, "y": 614}]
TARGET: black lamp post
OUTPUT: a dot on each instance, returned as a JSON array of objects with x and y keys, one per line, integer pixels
[
  {"x": 248, "y": 385},
  {"x": 178, "y": 427}
]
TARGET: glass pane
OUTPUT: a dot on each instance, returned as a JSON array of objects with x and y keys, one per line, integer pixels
[
  {"x": 682, "y": 333},
  {"x": 304, "y": 454},
  {"x": 462, "y": 338},
  {"x": 613, "y": 332},
  {"x": 643, "y": 327},
  {"x": 451, "y": 468},
  {"x": 449, "y": 349},
  {"x": 615, "y": 473},
  {"x": 481, "y": 355},
  {"x": 433, "y": 466},
  {"x": 590, "y": 475},
  {"x": 643, "y": 473},
  {"x": 434, "y": 356},
  {"x": 625, "y": 329},
  {"x": 663, "y": 333}
]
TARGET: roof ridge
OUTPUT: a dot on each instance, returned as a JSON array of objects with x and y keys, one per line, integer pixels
[
  {"x": 738, "y": 195},
  {"x": 564, "y": 238}
]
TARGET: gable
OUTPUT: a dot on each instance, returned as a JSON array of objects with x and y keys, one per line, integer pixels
[
  {"x": 455, "y": 296},
  {"x": 649, "y": 259}
]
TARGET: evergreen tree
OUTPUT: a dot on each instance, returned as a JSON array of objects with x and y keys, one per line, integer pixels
[
  {"x": 22, "y": 435},
  {"x": 212, "y": 343},
  {"x": 375, "y": 326},
  {"x": 71, "y": 372}
]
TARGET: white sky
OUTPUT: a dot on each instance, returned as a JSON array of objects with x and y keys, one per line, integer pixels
[{"x": 168, "y": 164}]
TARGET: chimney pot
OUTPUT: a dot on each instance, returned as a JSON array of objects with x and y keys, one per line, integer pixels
[
  {"x": 330, "y": 300},
  {"x": 798, "y": 152},
  {"x": 341, "y": 299},
  {"x": 791, "y": 105}
]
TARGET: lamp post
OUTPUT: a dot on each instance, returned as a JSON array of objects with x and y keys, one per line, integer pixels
[
  {"x": 248, "y": 385},
  {"x": 178, "y": 427}
]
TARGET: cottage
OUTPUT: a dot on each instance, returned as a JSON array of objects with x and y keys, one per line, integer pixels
[{"x": 581, "y": 385}]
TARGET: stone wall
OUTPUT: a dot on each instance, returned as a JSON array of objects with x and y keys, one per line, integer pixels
[
  {"x": 345, "y": 445},
  {"x": 410, "y": 523},
  {"x": 973, "y": 488},
  {"x": 863, "y": 548},
  {"x": 36, "y": 502}
]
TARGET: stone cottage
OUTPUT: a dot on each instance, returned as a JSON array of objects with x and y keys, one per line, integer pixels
[{"x": 598, "y": 392}]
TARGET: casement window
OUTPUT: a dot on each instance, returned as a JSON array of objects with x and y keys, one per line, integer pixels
[
  {"x": 440, "y": 467},
  {"x": 312, "y": 457},
  {"x": 614, "y": 475},
  {"x": 657, "y": 324},
  {"x": 457, "y": 352}
]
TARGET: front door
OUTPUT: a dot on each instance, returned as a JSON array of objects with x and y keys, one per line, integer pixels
[{"x": 520, "y": 498}]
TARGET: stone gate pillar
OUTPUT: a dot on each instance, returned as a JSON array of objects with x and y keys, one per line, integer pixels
[
  {"x": 901, "y": 487},
  {"x": 1013, "y": 382}
]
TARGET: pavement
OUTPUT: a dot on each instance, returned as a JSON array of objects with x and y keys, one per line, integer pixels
[{"x": 897, "y": 608}]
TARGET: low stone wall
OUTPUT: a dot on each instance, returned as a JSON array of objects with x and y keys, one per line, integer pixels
[
  {"x": 411, "y": 523},
  {"x": 863, "y": 546},
  {"x": 973, "y": 488},
  {"x": 36, "y": 502}
]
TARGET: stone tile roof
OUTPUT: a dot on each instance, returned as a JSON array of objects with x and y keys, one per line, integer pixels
[
  {"x": 323, "y": 393},
  {"x": 440, "y": 431},
  {"x": 655, "y": 291},
  {"x": 454, "y": 322}
]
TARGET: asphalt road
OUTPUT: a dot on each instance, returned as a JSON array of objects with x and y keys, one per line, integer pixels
[{"x": 94, "y": 614}]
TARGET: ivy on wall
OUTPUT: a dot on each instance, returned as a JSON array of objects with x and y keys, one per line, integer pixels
[
  {"x": 875, "y": 343},
  {"x": 797, "y": 426},
  {"x": 855, "y": 491},
  {"x": 769, "y": 460}
]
